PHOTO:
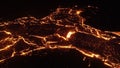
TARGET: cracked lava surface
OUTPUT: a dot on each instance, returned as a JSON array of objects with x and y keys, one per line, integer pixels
[{"x": 62, "y": 29}]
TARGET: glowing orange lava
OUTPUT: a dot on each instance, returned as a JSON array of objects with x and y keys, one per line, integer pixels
[{"x": 62, "y": 29}]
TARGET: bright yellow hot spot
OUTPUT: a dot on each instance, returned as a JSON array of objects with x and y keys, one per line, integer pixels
[
  {"x": 78, "y": 12},
  {"x": 23, "y": 53},
  {"x": 9, "y": 33},
  {"x": 69, "y": 34}
]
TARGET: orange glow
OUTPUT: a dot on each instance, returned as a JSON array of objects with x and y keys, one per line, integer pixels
[
  {"x": 34, "y": 42},
  {"x": 9, "y": 33},
  {"x": 2, "y": 60},
  {"x": 78, "y": 12},
  {"x": 61, "y": 36},
  {"x": 23, "y": 53},
  {"x": 117, "y": 33},
  {"x": 107, "y": 64},
  {"x": 13, "y": 54},
  {"x": 69, "y": 34},
  {"x": 6, "y": 48},
  {"x": 87, "y": 53},
  {"x": 84, "y": 58}
]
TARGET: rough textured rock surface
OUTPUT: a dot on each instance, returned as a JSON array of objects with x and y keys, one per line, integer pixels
[{"x": 58, "y": 34}]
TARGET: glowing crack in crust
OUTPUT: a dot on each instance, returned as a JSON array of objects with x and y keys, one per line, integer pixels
[{"x": 62, "y": 29}]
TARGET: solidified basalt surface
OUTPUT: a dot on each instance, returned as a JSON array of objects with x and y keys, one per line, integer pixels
[{"x": 62, "y": 32}]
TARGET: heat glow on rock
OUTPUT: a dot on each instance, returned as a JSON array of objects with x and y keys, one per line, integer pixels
[{"x": 62, "y": 29}]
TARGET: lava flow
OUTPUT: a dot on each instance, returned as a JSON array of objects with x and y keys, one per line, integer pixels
[{"x": 62, "y": 29}]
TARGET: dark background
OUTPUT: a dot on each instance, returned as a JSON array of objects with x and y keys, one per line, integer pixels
[{"x": 106, "y": 17}]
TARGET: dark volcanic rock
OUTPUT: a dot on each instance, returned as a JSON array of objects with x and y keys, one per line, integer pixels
[{"x": 60, "y": 39}]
